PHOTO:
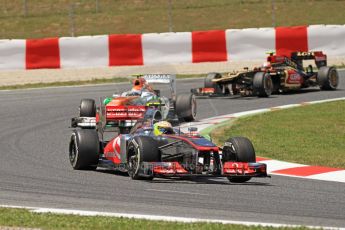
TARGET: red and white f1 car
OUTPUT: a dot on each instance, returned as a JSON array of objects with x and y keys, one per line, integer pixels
[{"x": 153, "y": 148}]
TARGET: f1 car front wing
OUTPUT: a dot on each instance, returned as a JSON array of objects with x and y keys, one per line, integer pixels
[{"x": 229, "y": 169}]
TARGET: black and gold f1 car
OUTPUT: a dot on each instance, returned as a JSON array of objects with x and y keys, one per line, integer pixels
[{"x": 278, "y": 74}]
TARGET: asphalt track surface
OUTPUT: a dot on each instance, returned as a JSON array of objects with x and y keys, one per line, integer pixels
[{"x": 35, "y": 170}]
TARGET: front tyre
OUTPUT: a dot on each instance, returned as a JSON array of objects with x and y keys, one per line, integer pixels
[
  {"x": 84, "y": 149},
  {"x": 262, "y": 84},
  {"x": 87, "y": 108},
  {"x": 328, "y": 78},
  {"x": 239, "y": 149},
  {"x": 141, "y": 149},
  {"x": 208, "y": 82}
]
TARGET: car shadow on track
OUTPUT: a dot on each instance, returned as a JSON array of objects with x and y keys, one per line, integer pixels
[
  {"x": 306, "y": 91},
  {"x": 236, "y": 97},
  {"x": 274, "y": 95},
  {"x": 113, "y": 172},
  {"x": 209, "y": 181},
  {"x": 301, "y": 91},
  {"x": 190, "y": 180}
]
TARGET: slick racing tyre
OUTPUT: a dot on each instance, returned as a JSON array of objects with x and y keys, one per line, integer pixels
[
  {"x": 328, "y": 78},
  {"x": 238, "y": 149},
  {"x": 262, "y": 84},
  {"x": 209, "y": 84},
  {"x": 141, "y": 149},
  {"x": 185, "y": 107},
  {"x": 87, "y": 108},
  {"x": 84, "y": 149}
]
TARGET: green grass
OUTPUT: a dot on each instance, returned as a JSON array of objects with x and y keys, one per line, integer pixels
[
  {"x": 87, "y": 82},
  {"x": 312, "y": 134},
  {"x": 66, "y": 83},
  {"x": 46, "y": 18},
  {"x": 24, "y": 218}
]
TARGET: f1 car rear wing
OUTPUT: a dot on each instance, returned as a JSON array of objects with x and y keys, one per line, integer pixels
[
  {"x": 296, "y": 59},
  {"x": 169, "y": 79},
  {"x": 160, "y": 78},
  {"x": 319, "y": 57}
]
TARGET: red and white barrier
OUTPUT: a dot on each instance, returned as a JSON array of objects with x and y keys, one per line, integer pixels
[
  {"x": 84, "y": 51},
  {"x": 330, "y": 39},
  {"x": 125, "y": 50},
  {"x": 12, "y": 54},
  {"x": 253, "y": 43},
  {"x": 42, "y": 53},
  {"x": 169, "y": 48}
]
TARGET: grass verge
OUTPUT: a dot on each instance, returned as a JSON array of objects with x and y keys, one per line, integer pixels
[
  {"x": 24, "y": 218},
  {"x": 87, "y": 82},
  {"x": 46, "y": 18},
  {"x": 312, "y": 134},
  {"x": 65, "y": 83}
]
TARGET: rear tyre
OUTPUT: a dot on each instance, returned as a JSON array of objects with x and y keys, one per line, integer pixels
[
  {"x": 328, "y": 78},
  {"x": 262, "y": 84},
  {"x": 141, "y": 149},
  {"x": 87, "y": 108},
  {"x": 208, "y": 83},
  {"x": 185, "y": 107},
  {"x": 84, "y": 149},
  {"x": 239, "y": 149}
]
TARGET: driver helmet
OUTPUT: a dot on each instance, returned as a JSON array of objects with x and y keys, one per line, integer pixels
[
  {"x": 162, "y": 127},
  {"x": 138, "y": 84}
]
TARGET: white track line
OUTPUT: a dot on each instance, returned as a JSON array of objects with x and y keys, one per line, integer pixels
[
  {"x": 337, "y": 176},
  {"x": 274, "y": 165}
]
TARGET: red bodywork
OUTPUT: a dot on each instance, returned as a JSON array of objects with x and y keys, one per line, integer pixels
[
  {"x": 124, "y": 108},
  {"x": 240, "y": 168},
  {"x": 120, "y": 108},
  {"x": 229, "y": 169},
  {"x": 125, "y": 112},
  {"x": 169, "y": 168},
  {"x": 112, "y": 150},
  {"x": 207, "y": 90}
]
